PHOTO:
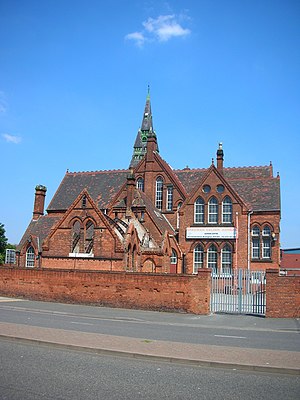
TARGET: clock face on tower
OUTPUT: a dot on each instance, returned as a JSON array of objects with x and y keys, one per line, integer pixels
[{"x": 144, "y": 137}]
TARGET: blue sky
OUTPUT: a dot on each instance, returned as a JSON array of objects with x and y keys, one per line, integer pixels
[{"x": 73, "y": 84}]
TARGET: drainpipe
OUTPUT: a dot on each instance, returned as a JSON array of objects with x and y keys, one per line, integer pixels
[{"x": 249, "y": 238}]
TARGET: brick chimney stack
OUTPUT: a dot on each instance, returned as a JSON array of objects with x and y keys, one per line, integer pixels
[
  {"x": 220, "y": 158},
  {"x": 39, "y": 201}
]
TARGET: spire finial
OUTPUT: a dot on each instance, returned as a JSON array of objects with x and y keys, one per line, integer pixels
[{"x": 148, "y": 92}]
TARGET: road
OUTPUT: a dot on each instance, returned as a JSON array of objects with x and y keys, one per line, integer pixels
[
  {"x": 220, "y": 330},
  {"x": 31, "y": 372}
]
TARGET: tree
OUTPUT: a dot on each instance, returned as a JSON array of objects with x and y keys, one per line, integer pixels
[{"x": 3, "y": 243}]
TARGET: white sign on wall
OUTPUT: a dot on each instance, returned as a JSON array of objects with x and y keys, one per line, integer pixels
[{"x": 211, "y": 233}]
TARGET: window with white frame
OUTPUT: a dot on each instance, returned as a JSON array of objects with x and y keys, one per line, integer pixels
[
  {"x": 198, "y": 258},
  {"x": 199, "y": 211},
  {"x": 266, "y": 242},
  {"x": 173, "y": 259},
  {"x": 30, "y": 257},
  {"x": 140, "y": 184},
  {"x": 159, "y": 193},
  {"x": 227, "y": 210},
  {"x": 212, "y": 258},
  {"x": 226, "y": 256},
  {"x": 213, "y": 211},
  {"x": 169, "y": 198}
]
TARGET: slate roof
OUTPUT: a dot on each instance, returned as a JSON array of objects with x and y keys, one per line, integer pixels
[
  {"x": 255, "y": 185},
  {"x": 101, "y": 185},
  {"x": 39, "y": 228}
]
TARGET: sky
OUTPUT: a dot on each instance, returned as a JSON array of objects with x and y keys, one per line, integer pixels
[{"x": 73, "y": 85}]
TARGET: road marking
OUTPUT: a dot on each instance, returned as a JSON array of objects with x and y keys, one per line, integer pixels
[
  {"x": 81, "y": 323},
  {"x": 231, "y": 337},
  {"x": 7, "y": 299}
]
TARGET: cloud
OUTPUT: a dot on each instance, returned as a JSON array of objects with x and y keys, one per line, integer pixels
[
  {"x": 138, "y": 37},
  {"x": 162, "y": 28},
  {"x": 165, "y": 27},
  {"x": 11, "y": 138}
]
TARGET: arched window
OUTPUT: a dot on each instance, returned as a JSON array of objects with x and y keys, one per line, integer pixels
[
  {"x": 30, "y": 257},
  {"x": 76, "y": 237},
  {"x": 199, "y": 211},
  {"x": 198, "y": 258},
  {"x": 266, "y": 242},
  {"x": 89, "y": 237},
  {"x": 255, "y": 242},
  {"x": 83, "y": 201},
  {"x": 212, "y": 258},
  {"x": 159, "y": 193},
  {"x": 169, "y": 205},
  {"x": 133, "y": 260},
  {"x": 227, "y": 210},
  {"x": 140, "y": 184},
  {"x": 213, "y": 211},
  {"x": 226, "y": 259},
  {"x": 173, "y": 259}
]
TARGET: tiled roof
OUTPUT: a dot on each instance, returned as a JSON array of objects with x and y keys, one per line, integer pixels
[
  {"x": 39, "y": 228},
  {"x": 255, "y": 185},
  {"x": 101, "y": 185}
]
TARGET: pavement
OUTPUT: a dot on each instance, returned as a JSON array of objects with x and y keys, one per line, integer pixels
[{"x": 259, "y": 360}]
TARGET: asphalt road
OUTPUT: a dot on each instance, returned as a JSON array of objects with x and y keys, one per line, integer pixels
[
  {"x": 221, "y": 330},
  {"x": 30, "y": 372}
]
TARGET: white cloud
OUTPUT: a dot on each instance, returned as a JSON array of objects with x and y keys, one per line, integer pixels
[
  {"x": 11, "y": 138},
  {"x": 138, "y": 37},
  {"x": 163, "y": 28}
]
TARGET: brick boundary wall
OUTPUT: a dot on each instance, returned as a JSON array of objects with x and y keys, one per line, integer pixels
[
  {"x": 283, "y": 295},
  {"x": 189, "y": 293}
]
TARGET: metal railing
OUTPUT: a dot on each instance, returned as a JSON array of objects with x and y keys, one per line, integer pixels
[{"x": 240, "y": 291}]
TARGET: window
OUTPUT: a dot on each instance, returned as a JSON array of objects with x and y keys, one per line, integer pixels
[
  {"x": 266, "y": 242},
  {"x": 255, "y": 242},
  {"x": 198, "y": 258},
  {"x": 226, "y": 259},
  {"x": 10, "y": 256},
  {"x": 227, "y": 210},
  {"x": 30, "y": 257},
  {"x": 173, "y": 257},
  {"x": 199, "y": 211},
  {"x": 170, "y": 198},
  {"x": 140, "y": 184},
  {"x": 76, "y": 237},
  {"x": 220, "y": 188},
  {"x": 84, "y": 201},
  {"x": 255, "y": 247},
  {"x": 213, "y": 211},
  {"x": 206, "y": 188},
  {"x": 89, "y": 237},
  {"x": 212, "y": 258},
  {"x": 159, "y": 193}
]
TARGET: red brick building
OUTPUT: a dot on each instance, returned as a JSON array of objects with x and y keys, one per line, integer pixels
[{"x": 152, "y": 218}]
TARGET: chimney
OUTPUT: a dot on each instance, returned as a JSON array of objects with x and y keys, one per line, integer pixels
[
  {"x": 220, "y": 158},
  {"x": 130, "y": 186},
  {"x": 39, "y": 201}
]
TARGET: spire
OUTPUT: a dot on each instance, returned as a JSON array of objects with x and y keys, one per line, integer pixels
[{"x": 146, "y": 131}]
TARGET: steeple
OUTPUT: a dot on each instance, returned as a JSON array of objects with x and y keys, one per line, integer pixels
[{"x": 146, "y": 131}]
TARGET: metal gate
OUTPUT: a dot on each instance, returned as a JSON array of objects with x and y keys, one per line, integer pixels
[{"x": 240, "y": 291}]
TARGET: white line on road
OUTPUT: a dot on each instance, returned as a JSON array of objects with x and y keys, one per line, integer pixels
[
  {"x": 231, "y": 337},
  {"x": 81, "y": 323}
]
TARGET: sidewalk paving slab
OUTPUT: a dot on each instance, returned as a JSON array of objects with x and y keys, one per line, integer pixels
[{"x": 259, "y": 360}]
